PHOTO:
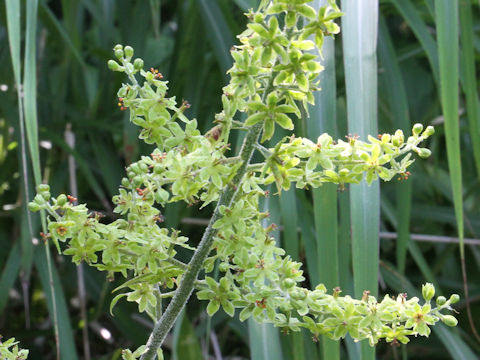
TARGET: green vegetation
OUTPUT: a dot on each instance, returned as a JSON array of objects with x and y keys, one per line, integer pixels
[{"x": 273, "y": 79}]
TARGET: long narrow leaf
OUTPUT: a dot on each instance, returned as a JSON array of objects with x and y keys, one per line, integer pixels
[
  {"x": 30, "y": 88},
  {"x": 57, "y": 305},
  {"x": 220, "y": 35},
  {"x": 447, "y": 29},
  {"x": 411, "y": 16},
  {"x": 359, "y": 47},
  {"x": 9, "y": 274},
  {"x": 187, "y": 345},
  {"x": 14, "y": 32},
  {"x": 470, "y": 76},
  {"x": 31, "y": 125},
  {"x": 397, "y": 97},
  {"x": 323, "y": 119},
  {"x": 446, "y": 15}
]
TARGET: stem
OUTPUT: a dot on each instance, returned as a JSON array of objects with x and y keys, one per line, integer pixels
[
  {"x": 158, "y": 307},
  {"x": 163, "y": 326},
  {"x": 178, "y": 263}
]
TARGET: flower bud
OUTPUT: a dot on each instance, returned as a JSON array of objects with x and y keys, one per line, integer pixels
[
  {"x": 138, "y": 64},
  {"x": 423, "y": 152},
  {"x": 441, "y": 300},
  {"x": 43, "y": 188},
  {"x": 449, "y": 320},
  {"x": 386, "y": 138},
  {"x": 128, "y": 52},
  {"x": 119, "y": 54},
  {"x": 428, "y": 291},
  {"x": 258, "y": 18},
  {"x": 454, "y": 299},
  {"x": 46, "y": 195},
  {"x": 400, "y": 138},
  {"x": 118, "y": 47},
  {"x": 61, "y": 200},
  {"x": 125, "y": 182},
  {"x": 417, "y": 129},
  {"x": 33, "y": 206},
  {"x": 137, "y": 181},
  {"x": 135, "y": 168},
  {"x": 429, "y": 131},
  {"x": 39, "y": 199},
  {"x": 114, "y": 66},
  {"x": 396, "y": 141},
  {"x": 288, "y": 283},
  {"x": 298, "y": 294}
]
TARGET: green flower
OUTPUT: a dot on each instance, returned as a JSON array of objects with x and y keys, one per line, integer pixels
[{"x": 419, "y": 319}]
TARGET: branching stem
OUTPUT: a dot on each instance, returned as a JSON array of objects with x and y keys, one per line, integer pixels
[{"x": 182, "y": 294}]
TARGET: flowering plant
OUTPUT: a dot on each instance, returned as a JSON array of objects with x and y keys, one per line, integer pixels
[{"x": 272, "y": 83}]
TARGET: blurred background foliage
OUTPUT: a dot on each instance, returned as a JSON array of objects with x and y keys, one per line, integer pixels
[{"x": 189, "y": 42}]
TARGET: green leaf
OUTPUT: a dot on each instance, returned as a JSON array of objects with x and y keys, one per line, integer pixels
[
  {"x": 397, "y": 98},
  {"x": 446, "y": 16},
  {"x": 470, "y": 77},
  {"x": 115, "y": 300},
  {"x": 359, "y": 46},
  {"x": 284, "y": 121},
  {"x": 255, "y": 118},
  {"x": 213, "y": 307},
  {"x": 187, "y": 346},
  {"x": 56, "y": 305}
]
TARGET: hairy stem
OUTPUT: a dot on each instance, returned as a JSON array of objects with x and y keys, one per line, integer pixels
[{"x": 182, "y": 294}]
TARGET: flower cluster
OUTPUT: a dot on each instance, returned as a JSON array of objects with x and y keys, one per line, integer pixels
[
  {"x": 272, "y": 82},
  {"x": 9, "y": 350}
]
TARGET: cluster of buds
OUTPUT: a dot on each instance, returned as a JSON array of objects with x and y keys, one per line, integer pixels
[
  {"x": 404, "y": 176},
  {"x": 157, "y": 75},
  {"x": 121, "y": 105}
]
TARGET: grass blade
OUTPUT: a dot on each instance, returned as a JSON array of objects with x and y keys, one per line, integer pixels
[
  {"x": 447, "y": 29},
  {"x": 470, "y": 78},
  {"x": 50, "y": 16},
  {"x": 30, "y": 110},
  {"x": 9, "y": 274},
  {"x": 397, "y": 98},
  {"x": 421, "y": 31},
  {"x": 187, "y": 346},
  {"x": 323, "y": 119},
  {"x": 56, "y": 305},
  {"x": 83, "y": 166},
  {"x": 30, "y": 88},
  {"x": 446, "y": 16},
  {"x": 264, "y": 341},
  {"x": 360, "y": 61},
  {"x": 220, "y": 35},
  {"x": 14, "y": 34}
]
